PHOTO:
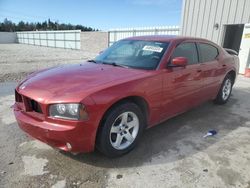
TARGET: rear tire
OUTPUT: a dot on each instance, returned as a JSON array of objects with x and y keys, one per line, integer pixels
[
  {"x": 225, "y": 90},
  {"x": 121, "y": 129}
]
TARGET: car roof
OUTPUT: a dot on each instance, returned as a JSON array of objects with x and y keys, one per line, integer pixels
[{"x": 165, "y": 38}]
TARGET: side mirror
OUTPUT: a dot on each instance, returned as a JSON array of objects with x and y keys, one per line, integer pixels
[
  {"x": 179, "y": 62},
  {"x": 100, "y": 52}
]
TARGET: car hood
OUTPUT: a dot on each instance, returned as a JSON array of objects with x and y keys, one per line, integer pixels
[{"x": 73, "y": 82}]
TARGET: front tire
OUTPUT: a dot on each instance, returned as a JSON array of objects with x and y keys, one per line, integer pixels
[
  {"x": 121, "y": 129},
  {"x": 225, "y": 90}
]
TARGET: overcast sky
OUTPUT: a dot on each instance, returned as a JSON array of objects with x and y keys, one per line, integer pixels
[{"x": 99, "y": 14}]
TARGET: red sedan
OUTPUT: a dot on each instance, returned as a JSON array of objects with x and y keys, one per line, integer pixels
[{"x": 137, "y": 83}]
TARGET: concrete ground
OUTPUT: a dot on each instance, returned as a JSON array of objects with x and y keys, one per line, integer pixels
[
  {"x": 17, "y": 60},
  {"x": 173, "y": 154}
]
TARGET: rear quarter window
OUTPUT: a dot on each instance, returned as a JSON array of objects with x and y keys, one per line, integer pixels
[{"x": 208, "y": 52}]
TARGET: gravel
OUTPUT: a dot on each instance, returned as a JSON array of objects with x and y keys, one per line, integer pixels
[{"x": 18, "y": 60}]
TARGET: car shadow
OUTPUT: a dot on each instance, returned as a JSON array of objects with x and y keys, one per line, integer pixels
[{"x": 176, "y": 138}]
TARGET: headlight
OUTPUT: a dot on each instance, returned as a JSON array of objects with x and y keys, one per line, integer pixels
[{"x": 68, "y": 111}]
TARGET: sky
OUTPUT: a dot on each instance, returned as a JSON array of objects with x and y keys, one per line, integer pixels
[{"x": 98, "y": 14}]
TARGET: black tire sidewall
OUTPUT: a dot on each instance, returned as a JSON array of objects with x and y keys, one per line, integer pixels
[{"x": 103, "y": 139}]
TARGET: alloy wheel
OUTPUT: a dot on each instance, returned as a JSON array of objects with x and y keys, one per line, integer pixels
[
  {"x": 124, "y": 130},
  {"x": 226, "y": 90}
]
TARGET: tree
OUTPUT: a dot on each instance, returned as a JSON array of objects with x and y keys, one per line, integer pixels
[
  {"x": 9, "y": 26},
  {"x": 20, "y": 26}
]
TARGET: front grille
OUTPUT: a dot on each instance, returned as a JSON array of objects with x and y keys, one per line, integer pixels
[
  {"x": 18, "y": 97},
  {"x": 34, "y": 106},
  {"x": 27, "y": 104}
]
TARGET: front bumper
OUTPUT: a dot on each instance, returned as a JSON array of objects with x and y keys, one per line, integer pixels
[{"x": 80, "y": 135}]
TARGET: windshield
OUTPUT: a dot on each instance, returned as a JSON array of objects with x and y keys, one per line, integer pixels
[{"x": 134, "y": 53}]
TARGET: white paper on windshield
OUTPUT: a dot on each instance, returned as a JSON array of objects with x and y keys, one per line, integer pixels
[{"x": 153, "y": 48}]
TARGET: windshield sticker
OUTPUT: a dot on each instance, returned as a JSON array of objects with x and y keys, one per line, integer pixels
[{"x": 153, "y": 48}]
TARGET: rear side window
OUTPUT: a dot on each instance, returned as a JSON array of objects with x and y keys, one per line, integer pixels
[
  {"x": 187, "y": 50},
  {"x": 208, "y": 52}
]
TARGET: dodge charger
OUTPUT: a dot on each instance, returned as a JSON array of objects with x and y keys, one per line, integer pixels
[{"x": 106, "y": 103}]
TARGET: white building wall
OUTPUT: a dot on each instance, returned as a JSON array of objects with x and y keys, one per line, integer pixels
[{"x": 200, "y": 16}]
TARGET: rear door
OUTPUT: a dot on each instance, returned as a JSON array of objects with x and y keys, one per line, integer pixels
[
  {"x": 182, "y": 84},
  {"x": 210, "y": 69}
]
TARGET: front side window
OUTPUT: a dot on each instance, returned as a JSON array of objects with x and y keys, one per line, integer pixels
[
  {"x": 208, "y": 52},
  {"x": 187, "y": 50},
  {"x": 134, "y": 53}
]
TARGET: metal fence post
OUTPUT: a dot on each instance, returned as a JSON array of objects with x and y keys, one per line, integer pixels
[
  {"x": 40, "y": 38},
  {"x": 75, "y": 41},
  {"x": 156, "y": 31},
  {"x": 134, "y": 32},
  {"x": 55, "y": 39},
  {"x": 115, "y": 37},
  {"x": 33, "y": 39},
  {"x": 64, "y": 40},
  {"x": 47, "y": 39}
]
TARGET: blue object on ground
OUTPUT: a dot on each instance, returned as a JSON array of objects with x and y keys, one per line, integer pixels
[{"x": 210, "y": 133}]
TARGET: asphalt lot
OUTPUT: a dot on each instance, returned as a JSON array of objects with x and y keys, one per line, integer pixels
[{"x": 173, "y": 154}]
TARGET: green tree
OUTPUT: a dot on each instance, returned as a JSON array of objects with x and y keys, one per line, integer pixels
[{"x": 9, "y": 26}]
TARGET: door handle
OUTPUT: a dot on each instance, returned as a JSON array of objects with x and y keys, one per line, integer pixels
[
  {"x": 198, "y": 70},
  {"x": 224, "y": 65}
]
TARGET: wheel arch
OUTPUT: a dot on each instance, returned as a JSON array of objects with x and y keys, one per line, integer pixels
[
  {"x": 232, "y": 73},
  {"x": 138, "y": 100}
]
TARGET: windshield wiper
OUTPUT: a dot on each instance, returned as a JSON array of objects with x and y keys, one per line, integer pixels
[
  {"x": 92, "y": 61},
  {"x": 115, "y": 64}
]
